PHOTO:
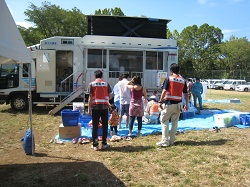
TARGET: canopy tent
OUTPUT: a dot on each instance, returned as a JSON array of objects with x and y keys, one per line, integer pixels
[{"x": 13, "y": 48}]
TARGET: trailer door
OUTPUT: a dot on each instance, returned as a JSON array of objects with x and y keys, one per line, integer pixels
[{"x": 46, "y": 71}]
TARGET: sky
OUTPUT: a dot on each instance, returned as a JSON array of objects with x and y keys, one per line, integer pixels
[{"x": 231, "y": 16}]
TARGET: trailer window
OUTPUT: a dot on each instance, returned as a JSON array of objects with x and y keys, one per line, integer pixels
[
  {"x": 129, "y": 61},
  {"x": 154, "y": 60},
  {"x": 97, "y": 58},
  {"x": 67, "y": 41}
]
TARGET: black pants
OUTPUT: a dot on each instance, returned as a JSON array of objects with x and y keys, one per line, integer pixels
[
  {"x": 113, "y": 128},
  {"x": 96, "y": 116}
]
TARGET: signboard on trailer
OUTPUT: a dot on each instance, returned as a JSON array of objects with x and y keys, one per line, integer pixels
[{"x": 161, "y": 77}]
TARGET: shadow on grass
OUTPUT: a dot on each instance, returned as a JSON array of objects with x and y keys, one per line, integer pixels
[
  {"x": 129, "y": 148},
  {"x": 87, "y": 173},
  {"x": 198, "y": 143}
]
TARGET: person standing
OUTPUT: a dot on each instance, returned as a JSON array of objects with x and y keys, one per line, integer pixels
[
  {"x": 98, "y": 104},
  {"x": 189, "y": 88},
  {"x": 197, "y": 91},
  {"x": 116, "y": 94},
  {"x": 113, "y": 120},
  {"x": 125, "y": 97},
  {"x": 136, "y": 108},
  {"x": 173, "y": 88}
]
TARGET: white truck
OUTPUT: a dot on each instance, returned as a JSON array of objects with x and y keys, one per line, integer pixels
[{"x": 64, "y": 66}]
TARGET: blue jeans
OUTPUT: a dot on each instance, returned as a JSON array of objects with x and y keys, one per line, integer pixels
[
  {"x": 195, "y": 96},
  {"x": 117, "y": 104}
]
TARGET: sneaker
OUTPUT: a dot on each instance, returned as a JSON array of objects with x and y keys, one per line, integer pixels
[
  {"x": 105, "y": 146},
  {"x": 162, "y": 144},
  {"x": 74, "y": 141},
  {"x": 95, "y": 148},
  {"x": 129, "y": 135}
]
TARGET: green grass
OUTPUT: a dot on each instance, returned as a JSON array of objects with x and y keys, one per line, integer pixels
[{"x": 198, "y": 158}]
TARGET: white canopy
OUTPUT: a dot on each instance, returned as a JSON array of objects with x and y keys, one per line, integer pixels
[
  {"x": 12, "y": 46},
  {"x": 14, "y": 50}
]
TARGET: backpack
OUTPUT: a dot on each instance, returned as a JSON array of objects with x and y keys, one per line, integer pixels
[{"x": 27, "y": 143}]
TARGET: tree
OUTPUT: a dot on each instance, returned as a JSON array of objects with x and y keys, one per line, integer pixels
[
  {"x": 235, "y": 54},
  {"x": 51, "y": 20},
  {"x": 110, "y": 11},
  {"x": 199, "y": 47},
  {"x": 30, "y": 35}
]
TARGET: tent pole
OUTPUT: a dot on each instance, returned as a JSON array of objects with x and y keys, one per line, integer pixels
[{"x": 30, "y": 108}]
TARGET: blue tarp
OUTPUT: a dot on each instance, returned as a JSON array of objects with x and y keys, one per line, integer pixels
[{"x": 204, "y": 120}]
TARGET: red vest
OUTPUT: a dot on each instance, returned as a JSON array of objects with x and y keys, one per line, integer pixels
[
  {"x": 100, "y": 92},
  {"x": 175, "y": 89}
]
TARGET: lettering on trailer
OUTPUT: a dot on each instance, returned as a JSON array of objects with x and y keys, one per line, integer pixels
[{"x": 50, "y": 43}]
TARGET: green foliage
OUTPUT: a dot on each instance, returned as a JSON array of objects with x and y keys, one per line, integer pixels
[
  {"x": 51, "y": 20},
  {"x": 110, "y": 11},
  {"x": 31, "y": 35},
  {"x": 199, "y": 45},
  {"x": 235, "y": 53}
]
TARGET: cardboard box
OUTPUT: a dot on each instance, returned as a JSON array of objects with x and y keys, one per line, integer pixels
[{"x": 69, "y": 131}]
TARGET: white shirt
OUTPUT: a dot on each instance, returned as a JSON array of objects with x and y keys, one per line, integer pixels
[
  {"x": 125, "y": 92},
  {"x": 116, "y": 93}
]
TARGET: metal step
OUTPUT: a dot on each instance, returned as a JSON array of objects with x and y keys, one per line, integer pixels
[{"x": 66, "y": 101}]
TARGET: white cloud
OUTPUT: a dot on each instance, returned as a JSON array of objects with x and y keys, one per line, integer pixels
[
  {"x": 229, "y": 32},
  {"x": 24, "y": 24}
]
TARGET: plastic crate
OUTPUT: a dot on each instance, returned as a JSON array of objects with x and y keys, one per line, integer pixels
[
  {"x": 84, "y": 120},
  {"x": 245, "y": 119},
  {"x": 70, "y": 117}
]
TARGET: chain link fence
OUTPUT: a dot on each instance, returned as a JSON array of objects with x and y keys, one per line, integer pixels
[{"x": 219, "y": 74}]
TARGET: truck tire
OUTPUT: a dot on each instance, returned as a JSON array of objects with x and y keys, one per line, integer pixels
[
  {"x": 246, "y": 90},
  {"x": 19, "y": 102}
]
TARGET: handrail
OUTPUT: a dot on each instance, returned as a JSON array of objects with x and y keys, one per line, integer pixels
[{"x": 67, "y": 84}]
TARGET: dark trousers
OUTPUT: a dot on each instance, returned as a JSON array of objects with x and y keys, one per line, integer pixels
[
  {"x": 113, "y": 128},
  {"x": 132, "y": 120},
  {"x": 96, "y": 116}
]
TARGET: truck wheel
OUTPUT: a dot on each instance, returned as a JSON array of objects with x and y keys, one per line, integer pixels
[
  {"x": 19, "y": 102},
  {"x": 246, "y": 90}
]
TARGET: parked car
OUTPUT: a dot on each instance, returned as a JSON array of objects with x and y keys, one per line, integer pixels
[
  {"x": 232, "y": 84},
  {"x": 219, "y": 85},
  {"x": 243, "y": 88},
  {"x": 211, "y": 82}
]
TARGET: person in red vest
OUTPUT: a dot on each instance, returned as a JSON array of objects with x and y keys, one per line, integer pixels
[
  {"x": 98, "y": 105},
  {"x": 171, "y": 97}
]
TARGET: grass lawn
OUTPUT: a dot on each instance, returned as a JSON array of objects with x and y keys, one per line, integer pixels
[{"x": 198, "y": 158}]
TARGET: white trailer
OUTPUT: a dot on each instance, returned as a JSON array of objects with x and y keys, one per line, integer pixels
[{"x": 64, "y": 66}]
